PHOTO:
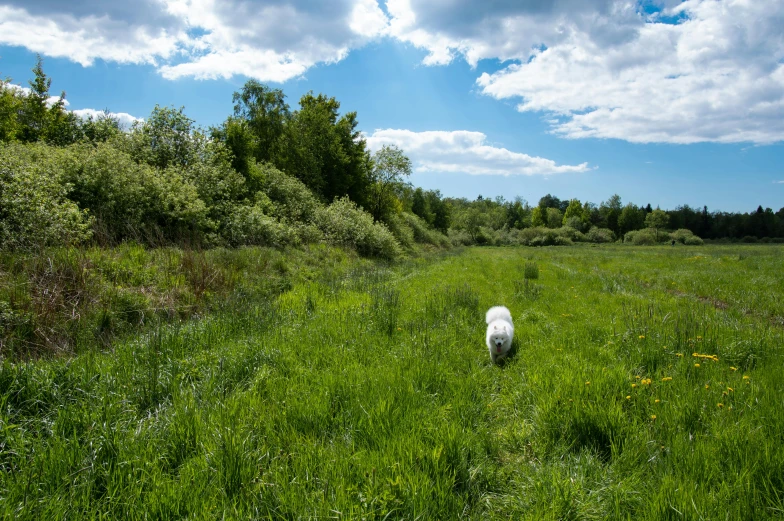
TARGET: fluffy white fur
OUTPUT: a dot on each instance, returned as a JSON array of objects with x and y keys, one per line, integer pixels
[{"x": 499, "y": 332}]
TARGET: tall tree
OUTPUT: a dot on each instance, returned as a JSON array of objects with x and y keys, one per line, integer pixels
[
  {"x": 266, "y": 114},
  {"x": 658, "y": 220},
  {"x": 390, "y": 168}
]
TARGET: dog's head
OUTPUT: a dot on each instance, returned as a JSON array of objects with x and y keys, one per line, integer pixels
[{"x": 499, "y": 338}]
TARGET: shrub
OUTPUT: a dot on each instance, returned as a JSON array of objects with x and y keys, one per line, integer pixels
[
  {"x": 292, "y": 200},
  {"x": 749, "y": 239},
  {"x": 685, "y": 236},
  {"x": 567, "y": 232},
  {"x": 344, "y": 223},
  {"x": 423, "y": 234},
  {"x": 600, "y": 235},
  {"x": 34, "y": 209},
  {"x": 644, "y": 237},
  {"x": 249, "y": 225},
  {"x": 459, "y": 237}
]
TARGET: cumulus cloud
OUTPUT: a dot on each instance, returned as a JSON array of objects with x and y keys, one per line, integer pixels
[
  {"x": 463, "y": 151},
  {"x": 206, "y": 39},
  {"x": 666, "y": 71},
  {"x": 126, "y": 120}
]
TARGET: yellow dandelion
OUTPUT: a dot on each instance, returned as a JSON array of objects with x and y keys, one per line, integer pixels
[
  {"x": 628, "y": 397},
  {"x": 699, "y": 337},
  {"x": 730, "y": 389},
  {"x": 724, "y": 393},
  {"x": 637, "y": 376},
  {"x": 587, "y": 383},
  {"x": 679, "y": 354},
  {"x": 719, "y": 405},
  {"x": 746, "y": 377},
  {"x": 666, "y": 378},
  {"x": 656, "y": 400},
  {"x": 707, "y": 386},
  {"x": 653, "y": 416},
  {"x": 642, "y": 336},
  {"x": 696, "y": 365},
  {"x": 634, "y": 385},
  {"x": 733, "y": 368},
  {"x": 645, "y": 381}
]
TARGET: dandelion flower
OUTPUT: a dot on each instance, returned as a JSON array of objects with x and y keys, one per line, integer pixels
[
  {"x": 730, "y": 389},
  {"x": 653, "y": 416},
  {"x": 719, "y": 405},
  {"x": 637, "y": 376},
  {"x": 634, "y": 385},
  {"x": 645, "y": 381},
  {"x": 628, "y": 397},
  {"x": 666, "y": 378},
  {"x": 678, "y": 354},
  {"x": 656, "y": 400},
  {"x": 746, "y": 377},
  {"x": 707, "y": 386},
  {"x": 587, "y": 383},
  {"x": 642, "y": 336},
  {"x": 733, "y": 368},
  {"x": 699, "y": 337},
  {"x": 696, "y": 365}
]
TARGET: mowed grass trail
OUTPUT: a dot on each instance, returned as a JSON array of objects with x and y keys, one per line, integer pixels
[{"x": 647, "y": 383}]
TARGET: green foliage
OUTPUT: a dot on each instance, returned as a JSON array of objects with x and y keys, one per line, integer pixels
[
  {"x": 658, "y": 220},
  {"x": 165, "y": 139},
  {"x": 345, "y": 224},
  {"x": 34, "y": 208},
  {"x": 600, "y": 235},
  {"x": 390, "y": 169},
  {"x": 538, "y": 217},
  {"x": 642, "y": 237},
  {"x": 631, "y": 218},
  {"x": 684, "y": 236},
  {"x": 132, "y": 200},
  {"x": 257, "y": 128},
  {"x": 554, "y": 218}
]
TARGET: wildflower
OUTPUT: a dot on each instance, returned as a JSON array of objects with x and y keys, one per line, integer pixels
[
  {"x": 719, "y": 405},
  {"x": 628, "y": 397},
  {"x": 656, "y": 400},
  {"x": 707, "y": 386},
  {"x": 637, "y": 376},
  {"x": 642, "y": 336},
  {"x": 634, "y": 385},
  {"x": 730, "y": 389},
  {"x": 746, "y": 377},
  {"x": 724, "y": 393},
  {"x": 679, "y": 354},
  {"x": 733, "y": 368},
  {"x": 699, "y": 337},
  {"x": 587, "y": 383},
  {"x": 645, "y": 381},
  {"x": 653, "y": 417},
  {"x": 696, "y": 365},
  {"x": 666, "y": 378}
]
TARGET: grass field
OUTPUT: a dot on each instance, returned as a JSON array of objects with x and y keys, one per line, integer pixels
[{"x": 646, "y": 383}]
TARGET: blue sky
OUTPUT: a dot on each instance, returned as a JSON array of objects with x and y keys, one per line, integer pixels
[{"x": 662, "y": 102}]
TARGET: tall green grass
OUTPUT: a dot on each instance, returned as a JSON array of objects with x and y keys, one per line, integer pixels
[{"x": 645, "y": 384}]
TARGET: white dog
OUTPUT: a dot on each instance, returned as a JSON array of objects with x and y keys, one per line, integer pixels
[{"x": 499, "y": 332}]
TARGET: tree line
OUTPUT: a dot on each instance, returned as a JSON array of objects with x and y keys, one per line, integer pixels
[{"x": 276, "y": 175}]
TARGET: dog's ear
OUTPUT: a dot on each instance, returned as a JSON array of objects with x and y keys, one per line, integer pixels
[{"x": 495, "y": 327}]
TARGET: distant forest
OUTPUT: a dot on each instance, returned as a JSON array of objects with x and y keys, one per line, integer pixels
[{"x": 275, "y": 175}]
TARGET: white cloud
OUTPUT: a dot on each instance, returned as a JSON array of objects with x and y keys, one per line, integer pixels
[
  {"x": 205, "y": 39},
  {"x": 696, "y": 71},
  {"x": 126, "y": 120},
  {"x": 463, "y": 151},
  {"x": 51, "y": 100}
]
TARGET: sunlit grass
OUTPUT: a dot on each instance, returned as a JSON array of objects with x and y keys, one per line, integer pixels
[{"x": 645, "y": 384}]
